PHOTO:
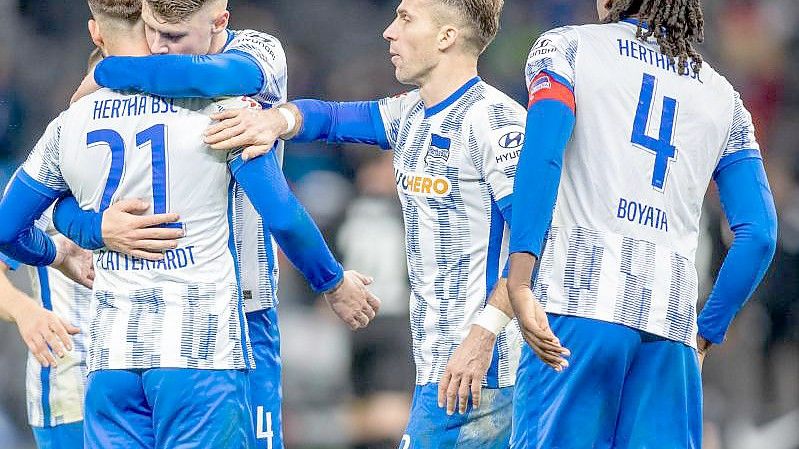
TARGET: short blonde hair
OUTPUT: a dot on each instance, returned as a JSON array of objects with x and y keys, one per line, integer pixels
[
  {"x": 174, "y": 11},
  {"x": 481, "y": 16},
  {"x": 128, "y": 11}
]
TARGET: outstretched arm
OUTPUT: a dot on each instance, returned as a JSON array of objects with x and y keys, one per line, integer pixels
[{"x": 301, "y": 120}]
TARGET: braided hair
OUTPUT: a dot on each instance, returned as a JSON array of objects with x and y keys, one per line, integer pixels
[{"x": 676, "y": 25}]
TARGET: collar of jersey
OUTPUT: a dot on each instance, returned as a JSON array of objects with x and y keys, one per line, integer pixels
[
  {"x": 635, "y": 22},
  {"x": 230, "y": 37},
  {"x": 429, "y": 112}
]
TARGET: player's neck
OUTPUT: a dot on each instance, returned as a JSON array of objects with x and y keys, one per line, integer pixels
[
  {"x": 445, "y": 79},
  {"x": 218, "y": 42}
]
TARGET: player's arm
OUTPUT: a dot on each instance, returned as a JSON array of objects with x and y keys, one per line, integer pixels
[
  {"x": 302, "y": 242},
  {"x": 43, "y": 332},
  {"x": 123, "y": 227},
  {"x": 32, "y": 189},
  {"x": 301, "y": 120},
  {"x": 749, "y": 207},
  {"x": 204, "y": 76},
  {"x": 550, "y": 122},
  {"x": 252, "y": 63}
]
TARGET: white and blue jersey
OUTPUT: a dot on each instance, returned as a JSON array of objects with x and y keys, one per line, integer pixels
[
  {"x": 184, "y": 311},
  {"x": 454, "y": 166},
  {"x": 621, "y": 249},
  {"x": 54, "y": 395},
  {"x": 256, "y": 249}
]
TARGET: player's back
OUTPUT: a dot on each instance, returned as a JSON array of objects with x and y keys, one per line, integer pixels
[
  {"x": 185, "y": 310},
  {"x": 646, "y": 142}
]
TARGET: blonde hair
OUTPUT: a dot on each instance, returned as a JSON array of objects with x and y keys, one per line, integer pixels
[{"x": 482, "y": 18}]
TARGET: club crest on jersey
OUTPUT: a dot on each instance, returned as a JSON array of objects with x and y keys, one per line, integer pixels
[
  {"x": 422, "y": 184},
  {"x": 438, "y": 150}
]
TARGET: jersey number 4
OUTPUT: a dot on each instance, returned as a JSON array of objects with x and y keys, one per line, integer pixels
[
  {"x": 156, "y": 137},
  {"x": 662, "y": 147}
]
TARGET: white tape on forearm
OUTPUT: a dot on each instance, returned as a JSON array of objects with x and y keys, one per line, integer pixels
[
  {"x": 290, "y": 119},
  {"x": 492, "y": 319}
]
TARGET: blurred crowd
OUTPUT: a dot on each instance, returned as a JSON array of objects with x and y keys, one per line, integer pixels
[{"x": 345, "y": 389}]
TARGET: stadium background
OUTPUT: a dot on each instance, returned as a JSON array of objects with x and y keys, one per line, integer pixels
[{"x": 346, "y": 389}]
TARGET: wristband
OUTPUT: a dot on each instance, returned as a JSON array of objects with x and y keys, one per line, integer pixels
[
  {"x": 492, "y": 319},
  {"x": 290, "y": 119}
]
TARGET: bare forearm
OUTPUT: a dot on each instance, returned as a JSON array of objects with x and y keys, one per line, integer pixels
[
  {"x": 12, "y": 300},
  {"x": 520, "y": 273},
  {"x": 499, "y": 297}
]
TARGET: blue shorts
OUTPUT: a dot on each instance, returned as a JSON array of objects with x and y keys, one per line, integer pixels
[
  {"x": 168, "y": 408},
  {"x": 624, "y": 389},
  {"x": 61, "y": 436},
  {"x": 265, "y": 390},
  {"x": 487, "y": 427}
]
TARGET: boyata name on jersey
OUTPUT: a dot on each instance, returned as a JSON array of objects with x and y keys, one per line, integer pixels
[
  {"x": 643, "y": 214},
  {"x": 174, "y": 259},
  {"x": 132, "y": 106}
]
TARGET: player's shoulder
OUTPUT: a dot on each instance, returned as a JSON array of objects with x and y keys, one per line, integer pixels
[
  {"x": 564, "y": 35},
  {"x": 258, "y": 39},
  {"x": 494, "y": 103},
  {"x": 405, "y": 99}
]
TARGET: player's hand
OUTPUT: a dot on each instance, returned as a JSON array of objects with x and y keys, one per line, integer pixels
[
  {"x": 87, "y": 86},
  {"x": 465, "y": 371},
  {"x": 126, "y": 230},
  {"x": 702, "y": 348},
  {"x": 255, "y": 130},
  {"x": 535, "y": 328},
  {"x": 74, "y": 261},
  {"x": 44, "y": 333},
  {"x": 352, "y": 302}
]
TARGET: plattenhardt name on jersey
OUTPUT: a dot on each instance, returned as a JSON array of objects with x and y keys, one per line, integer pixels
[{"x": 173, "y": 259}]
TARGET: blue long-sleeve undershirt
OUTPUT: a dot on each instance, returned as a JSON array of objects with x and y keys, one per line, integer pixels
[
  {"x": 24, "y": 201},
  {"x": 204, "y": 76},
  {"x": 292, "y": 227},
  {"x": 347, "y": 122},
  {"x": 749, "y": 207},
  {"x": 535, "y": 188}
]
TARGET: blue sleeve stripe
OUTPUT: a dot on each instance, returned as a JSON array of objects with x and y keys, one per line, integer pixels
[
  {"x": 726, "y": 161},
  {"x": 12, "y": 264},
  {"x": 38, "y": 186},
  {"x": 379, "y": 126}
]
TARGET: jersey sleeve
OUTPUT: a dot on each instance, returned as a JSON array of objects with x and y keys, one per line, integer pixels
[
  {"x": 391, "y": 112},
  {"x": 555, "y": 52},
  {"x": 42, "y": 164},
  {"x": 741, "y": 142},
  {"x": 495, "y": 138},
  {"x": 268, "y": 53}
]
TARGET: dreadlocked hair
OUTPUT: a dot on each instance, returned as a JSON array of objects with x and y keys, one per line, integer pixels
[{"x": 676, "y": 25}]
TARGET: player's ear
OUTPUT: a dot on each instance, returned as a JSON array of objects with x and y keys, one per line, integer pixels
[
  {"x": 94, "y": 32},
  {"x": 447, "y": 36},
  {"x": 221, "y": 21}
]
